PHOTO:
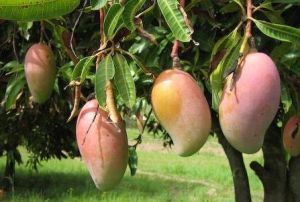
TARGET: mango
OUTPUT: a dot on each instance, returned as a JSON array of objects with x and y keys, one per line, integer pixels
[
  {"x": 249, "y": 102},
  {"x": 102, "y": 145},
  {"x": 40, "y": 72},
  {"x": 291, "y": 136},
  {"x": 181, "y": 107}
]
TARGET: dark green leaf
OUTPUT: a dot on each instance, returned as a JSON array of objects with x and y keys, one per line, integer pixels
[
  {"x": 131, "y": 8},
  {"x": 285, "y": 1},
  {"x": 13, "y": 89},
  {"x": 112, "y": 20},
  {"x": 82, "y": 68},
  {"x": 286, "y": 98},
  {"x": 176, "y": 20},
  {"x": 132, "y": 160},
  {"x": 124, "y": 80},
  {"x": 32, "y": 10},
  {"x": 104, "y": 73},
  {"x": 229, "y": 61}
]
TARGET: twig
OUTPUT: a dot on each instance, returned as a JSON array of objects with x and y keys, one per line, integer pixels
[
  {"x": 14, "y": 43},
  {"x": 75, "y": 26}
]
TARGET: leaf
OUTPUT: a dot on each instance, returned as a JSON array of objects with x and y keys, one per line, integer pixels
[
  {"x": 112, "y": 19},
  {"x": 82, "y": 68},
  {"x": 13, "y": 89},
  {"x": 278, "y": 31},
  {"x": 124, "y": 80},
  {"x": 86, "y": 68},
  {"x": 131, "y": 8},
  {"x": 175, "y": 19},
  {"x": 286, "y": 98},
  {"x": 285, "y": 1},
  {"x": 233, "y": 45},
  {"x": 132, "y": 160},
  {"x": 13, "y": 67},
  {"x": 97, "y": 4},
  {"x": 104, "y": 73},
  {"x": 32, "y": 10}
]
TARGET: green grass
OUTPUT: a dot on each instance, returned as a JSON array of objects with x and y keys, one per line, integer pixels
[{"x": 162, "y": 176}]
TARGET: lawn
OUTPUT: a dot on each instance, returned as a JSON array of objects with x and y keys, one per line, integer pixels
[{"x": 161, "y": 176}]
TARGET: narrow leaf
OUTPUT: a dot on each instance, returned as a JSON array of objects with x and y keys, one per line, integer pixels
[
  {"x": 175, "y": 19},
  {"x": 112, "y": 20},
  {"x": 124, "y": 80},
  {"x": 104, "y": 73},
  {"x": 32, "y": 10},
  {"x": 278, "y": 31},
  {"x": 97, "y": 4},
  {"x": 131, "y": 8},
  {"x": 285, "y": 1},
  {"x": 13, "y": 89},
  {"x": 229, "y": 61},
  {"x": 82, "y": 68}
]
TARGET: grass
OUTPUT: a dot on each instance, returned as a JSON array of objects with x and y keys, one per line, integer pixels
[{"x": 161, "y": 176}]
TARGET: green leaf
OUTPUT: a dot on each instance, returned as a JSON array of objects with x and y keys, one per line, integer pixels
[
  {"x": 131, "y": 8},
  {"x": 97, "y": 4},
  {"x": 112, "y": 20},
  {"x": 278, "y": 31},
  {"x": 32, "y": 10},
  {"x": 175, "y": 19},
  {"x": 82, "y": 68},
  {"x": 104, "y": 73},
  {"x": 13, "y": 67},
  {"x": 286, "y": 98},
  {"x": 13, "y": 89},
  {"x": 132, "y": 160},
  {"x": 229, "y": 61},
  {"x": 124, "y": 80},
  {"x": 285, "y": 1}
]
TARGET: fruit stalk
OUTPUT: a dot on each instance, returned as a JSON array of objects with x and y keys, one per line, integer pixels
[
  {"x": 248, "y": 28},
  {"x": 175, "y": 48}
]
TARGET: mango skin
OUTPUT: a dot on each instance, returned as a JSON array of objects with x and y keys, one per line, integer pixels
[
  {"x": 105, "y": 148},
  {"x": 247, "y": 110},
  {"x": 291, "y": 136},
  {"x": 40, "y": 72},
  {"x": 181, "y": 107}
]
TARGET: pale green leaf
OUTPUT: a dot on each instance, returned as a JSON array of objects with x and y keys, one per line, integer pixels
[
  {"x": 131, "y": 8},
  {"x": 97, "y": 4},
  {"x": 32, "y": 10},
  {"x": 124, "y": 80},
  {"x": 175, "y": 19},
  {"x": 112, "y": 20},
  {"x": 104, "y": 73},
  {"x": 278, "y": 31}
]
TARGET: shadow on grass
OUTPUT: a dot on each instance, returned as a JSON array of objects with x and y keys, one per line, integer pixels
[{"x": 55, "y": 186}]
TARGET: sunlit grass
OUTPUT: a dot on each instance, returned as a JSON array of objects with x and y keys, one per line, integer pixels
[{"x": 162, "y": 176}]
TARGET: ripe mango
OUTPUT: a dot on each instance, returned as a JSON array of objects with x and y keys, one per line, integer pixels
[
  {"x": 181, "y": 107},
  {"x": 40, "y": 72},
  {"x": 291, "y": 136},
  {"x": 249, "y": 102},
  {"x": 102, "y": 145}
]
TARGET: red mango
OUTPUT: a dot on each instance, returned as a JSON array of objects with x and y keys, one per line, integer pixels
[
  {"x": 102, "y": 145},
  {"x": 250, "y": 102}
]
